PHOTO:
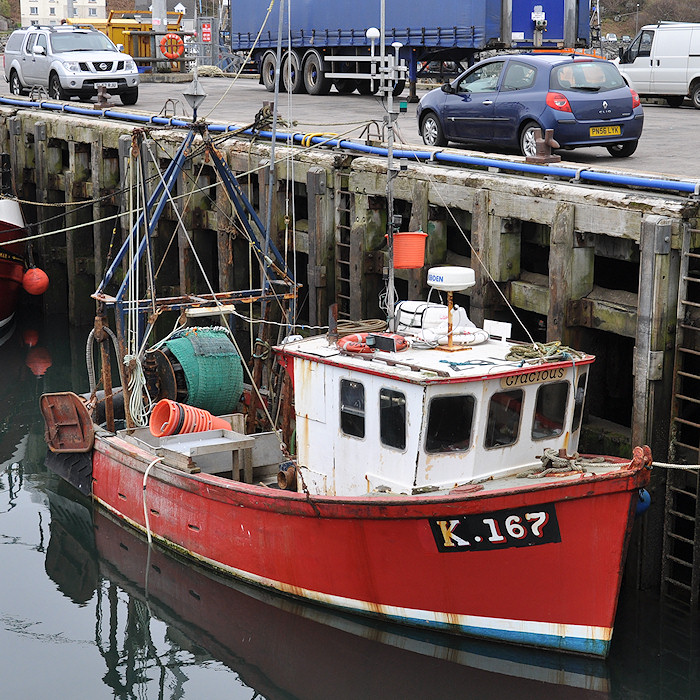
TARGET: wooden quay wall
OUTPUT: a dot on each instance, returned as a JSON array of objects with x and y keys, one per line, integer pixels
[{"x": 595, "y": 267}]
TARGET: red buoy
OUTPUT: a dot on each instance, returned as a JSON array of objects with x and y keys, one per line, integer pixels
[
  {"x": 35, "y": 281},
  {"x": 38, "y": 360}
]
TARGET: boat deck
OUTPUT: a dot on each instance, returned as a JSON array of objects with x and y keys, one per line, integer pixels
[{"x": 422, "y": 363}]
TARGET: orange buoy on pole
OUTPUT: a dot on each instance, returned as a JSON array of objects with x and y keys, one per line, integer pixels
[{"x": 35, "y": 281}]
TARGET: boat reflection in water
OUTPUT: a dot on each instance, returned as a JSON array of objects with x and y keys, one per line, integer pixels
[{"x": 277, "y": 646}]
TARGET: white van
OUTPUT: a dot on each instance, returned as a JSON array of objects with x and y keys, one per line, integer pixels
[{"x": 664, "y": 61}]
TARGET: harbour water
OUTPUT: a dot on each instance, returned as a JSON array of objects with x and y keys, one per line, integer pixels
[{"x": 87, "y": 610}]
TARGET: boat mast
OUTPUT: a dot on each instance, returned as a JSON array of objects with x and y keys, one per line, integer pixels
[{"x": 387, "y": 71}]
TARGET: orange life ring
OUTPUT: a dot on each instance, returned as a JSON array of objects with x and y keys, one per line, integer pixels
[
  {"x": 357, "y": 342},
  {"x": 172, "y": 46}
]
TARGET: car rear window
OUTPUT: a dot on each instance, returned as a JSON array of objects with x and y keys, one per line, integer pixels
[{"x": 586, "y": 76}]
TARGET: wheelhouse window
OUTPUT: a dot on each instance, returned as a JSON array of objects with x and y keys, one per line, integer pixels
[
  {"x": 392, "y": 418},
  {"x": 550, "y": 410},
  {"x": 578, "y": 402},
  {"x": 503, "y": 424},
  {"x": 352, "y": 408},
  {"x": 450, "y": 420}
]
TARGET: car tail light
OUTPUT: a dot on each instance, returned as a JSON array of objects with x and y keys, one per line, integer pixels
[
  {"x": 636, "y": 102},
  {"x": 556, "y": 100}
]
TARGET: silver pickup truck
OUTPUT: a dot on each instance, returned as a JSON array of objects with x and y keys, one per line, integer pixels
[{"x": 69, "y": 61}]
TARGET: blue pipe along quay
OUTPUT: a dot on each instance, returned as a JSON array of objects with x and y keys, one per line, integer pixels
[{"x": 432, "y": 156}]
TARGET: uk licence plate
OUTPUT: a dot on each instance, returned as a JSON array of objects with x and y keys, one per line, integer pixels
[
  {"x": 111, "y": 86},
  {"x": 605, "y": 131}
]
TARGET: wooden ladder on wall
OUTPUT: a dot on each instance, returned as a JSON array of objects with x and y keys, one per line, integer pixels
[
  {"x": 343, "y": 225},
  {"x": 680, "y": 569}
]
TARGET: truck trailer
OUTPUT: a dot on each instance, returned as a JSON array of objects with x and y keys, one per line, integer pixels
[{"x": 330, "y": 45}]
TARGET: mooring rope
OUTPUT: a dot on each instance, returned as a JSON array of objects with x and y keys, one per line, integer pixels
[
  {"x": 145, "y": 506},
  {"x": 667, "y": 465},
  {"x": 553, "y": 464}
]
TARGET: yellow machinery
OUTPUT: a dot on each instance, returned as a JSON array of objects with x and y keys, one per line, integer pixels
[{"x": 134, "y": 30}]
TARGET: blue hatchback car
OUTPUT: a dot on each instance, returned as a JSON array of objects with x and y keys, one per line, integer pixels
[{"x": 507, "y": 100}]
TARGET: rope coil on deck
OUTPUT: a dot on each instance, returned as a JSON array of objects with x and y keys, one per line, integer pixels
[
  {"x": 556, "y": 464},
  {"x": 547, "y": 352}
]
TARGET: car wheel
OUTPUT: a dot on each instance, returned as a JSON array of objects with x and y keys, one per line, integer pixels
[
  {"x": 431, "y": 130},
  {"x": 15, "y": 84},
  {"x": 528, "y": 138},
  {"x": 675, "y": 100},
  {"x": 56, "y": 92},
  {"x": 695, "y": 95},
  {"x": 130, "y": 97},
  {"x": 622, "y": 150},
  {"x": 267, "y": 71},
  {"x": 315, "y": 79}
]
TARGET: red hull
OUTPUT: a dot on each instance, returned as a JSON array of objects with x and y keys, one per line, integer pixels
[
  {"x": 379, "y": 555},
  {"x": 10, "y": 283},
  {"x": 11, "y": 264},
  {"x": 253, "y": 632}
]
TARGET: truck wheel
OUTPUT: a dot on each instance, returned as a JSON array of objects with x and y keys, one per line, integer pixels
[
  {"x": 345, "y": 86},
  {"x": 431, "y": 130},
  {"x": 622, "y": 150},
  {"x": 15, "y": 83},
  {"x": 367, "y": 87},
  {"x": 56, "y": 92},
  {"x": 399, "y": 87},
  {"x": 695, "y": 95},
  {"x": 315, "y": 80},
  {"x": 267, "y": 71},
  {"x": 675, "y": 100},
  {"x": 293, "y": 83}
]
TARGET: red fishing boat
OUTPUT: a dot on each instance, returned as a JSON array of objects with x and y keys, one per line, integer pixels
[
  {"x": 11, "y": 258},
  {"x": 428, "y": 475},
  {"x": 251, "y": 630}
]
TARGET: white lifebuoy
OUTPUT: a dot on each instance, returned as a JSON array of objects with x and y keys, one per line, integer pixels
[{"x": 476, "y": 336}]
